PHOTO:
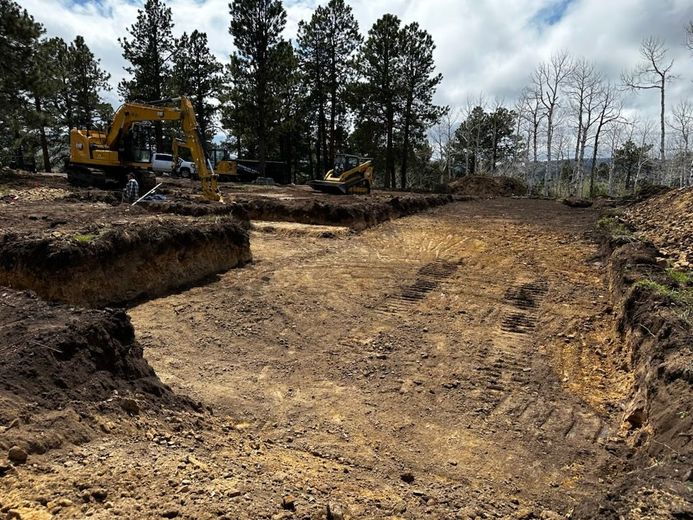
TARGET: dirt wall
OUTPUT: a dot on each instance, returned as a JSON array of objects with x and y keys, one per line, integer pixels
[
  {"x": 657, "y": 421},
  {"x": 144, "y": 259},
  {"x": 356, "y": 213},
  {"x": 58, "y": 363}
]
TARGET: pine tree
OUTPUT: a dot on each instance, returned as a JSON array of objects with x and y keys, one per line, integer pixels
[
  {"x": 256, "y": 28},
  {"x": 149, "y": 51},
  {"x": 487, "y": 138},
  {"x": 19, "y": 34},
  {"x": 63, "y": 101},
  {"x": 44, "y": 85},
  {"x": 293, "y": 120},
  {"x": 380, "y": 67},
  {"x": 327, "y": 47},
  {"x": 197, "y": 74},
  {"x": 88, "y": 79},
  {"x": 418, "y": 86}
]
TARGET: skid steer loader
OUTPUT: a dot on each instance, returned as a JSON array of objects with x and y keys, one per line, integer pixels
[{"x": 351, "y": 175}]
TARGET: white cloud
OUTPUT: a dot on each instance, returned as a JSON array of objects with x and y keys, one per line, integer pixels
[{"x": 488, "y": 46}]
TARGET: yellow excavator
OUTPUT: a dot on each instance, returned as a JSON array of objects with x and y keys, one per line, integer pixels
[
  {"x": 105, "y": 158},
  {"x": 351, "y": 174}
]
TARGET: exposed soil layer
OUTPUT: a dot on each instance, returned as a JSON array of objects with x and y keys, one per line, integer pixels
[
  {"x": 57, "y": 363},
  {"x": 488, "y": 186},
  {"x": 666, "y": 219},
  {"x": 87, "y": 255},
  {"x": 355, "y": 212},
  {"x": 658, "y": 420}
]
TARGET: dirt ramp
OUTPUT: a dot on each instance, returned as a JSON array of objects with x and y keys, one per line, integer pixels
[
  {"x": 124, "y": 262},
  {"x": 59, "y": 362}
]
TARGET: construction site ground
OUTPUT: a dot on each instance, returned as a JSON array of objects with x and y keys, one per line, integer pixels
[{"x": 456, "y": 363}]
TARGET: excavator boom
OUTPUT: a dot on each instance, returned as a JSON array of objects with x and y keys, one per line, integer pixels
[{"x": 97, "y": 157}]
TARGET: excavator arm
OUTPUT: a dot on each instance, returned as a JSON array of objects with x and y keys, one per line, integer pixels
[{"x": 99, "y": 150}]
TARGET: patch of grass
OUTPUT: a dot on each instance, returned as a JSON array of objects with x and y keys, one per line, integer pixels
[
  {"x": 86, "y": 238},
  {"x": 683, "y": 278},
  {"x": 682, "y": 296},
  {"x": 614, "y": 226}
]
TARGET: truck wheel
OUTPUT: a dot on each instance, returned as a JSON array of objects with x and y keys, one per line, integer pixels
[{"x": 185, "y": 172}]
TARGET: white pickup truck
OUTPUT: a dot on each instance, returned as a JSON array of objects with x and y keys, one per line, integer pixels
[
  {"x": 162, "y": 163},
  {"x": 185, "y": 168}
]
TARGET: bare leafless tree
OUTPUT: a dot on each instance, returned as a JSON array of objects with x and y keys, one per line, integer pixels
[
  {"x": 615, "y": 136},
  {"x": 682, "y": 123},
  {"x": 591, "y": 89},
  {"x": 609, "y": 111},
  {"x": 644, "y": 131},
  {"x": 443, "y": 134},
  {"x": 548, "y": 80},
  {"x": 689, "y": 36},
  {"x": 533, "y": 114},
  {"x": 580, "y": 83},
  {"x": 653, "y": 73}
]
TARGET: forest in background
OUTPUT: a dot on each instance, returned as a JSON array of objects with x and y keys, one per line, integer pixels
[{"x": 334, "y": 89}]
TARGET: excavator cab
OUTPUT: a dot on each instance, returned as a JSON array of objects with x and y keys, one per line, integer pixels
[{"x": 351, "y": 174}]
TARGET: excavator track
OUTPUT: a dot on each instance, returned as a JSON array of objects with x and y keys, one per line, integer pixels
[{"x": 115, "y": 179}]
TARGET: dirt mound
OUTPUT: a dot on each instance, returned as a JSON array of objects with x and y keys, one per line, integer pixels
[
  {"x": 39, "y": 193},
  {"x": 89, "y": 195},
  {"x": 137, "y": 259},
  {"x": 575, "y": 202},
  {"x": 666, "y": 220},
  {"x": 58, "y": 361},
  {"x": 486, "y": 186}
]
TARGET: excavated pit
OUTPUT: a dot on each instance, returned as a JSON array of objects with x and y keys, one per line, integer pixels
[
  {"x": 97, "y": 255},
  {"x": 357, "y": 213}
]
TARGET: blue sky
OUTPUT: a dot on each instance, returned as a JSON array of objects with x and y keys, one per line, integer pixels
[{"x": 553, "y": 12}]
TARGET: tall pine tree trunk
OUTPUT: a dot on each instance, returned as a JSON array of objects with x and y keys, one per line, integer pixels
[
  {"x": 390, "y": 160},
  {"x": 42, "y": 135},
  {"x": 405, "y": 153},
  {"x": 333, "y": 106}
]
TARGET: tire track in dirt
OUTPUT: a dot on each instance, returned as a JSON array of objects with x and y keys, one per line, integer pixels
[{"x": 401, "y": 349}]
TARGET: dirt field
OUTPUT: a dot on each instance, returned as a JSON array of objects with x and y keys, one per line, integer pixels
[
  {"x": 451, "y": 364},
  {"x": 468, "y": 361}
]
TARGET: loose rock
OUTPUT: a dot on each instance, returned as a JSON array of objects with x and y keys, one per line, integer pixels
[{"x": 17, "y": 455}]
